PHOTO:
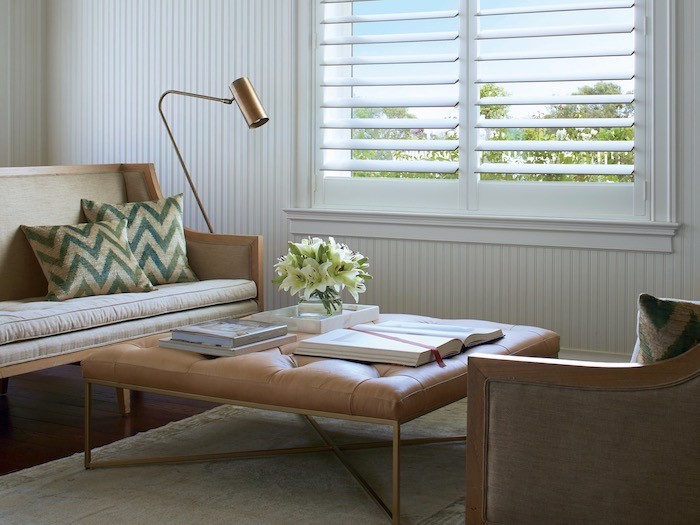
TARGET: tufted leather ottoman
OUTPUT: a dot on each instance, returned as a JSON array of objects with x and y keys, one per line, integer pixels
[{"x": 278, "y": 380}]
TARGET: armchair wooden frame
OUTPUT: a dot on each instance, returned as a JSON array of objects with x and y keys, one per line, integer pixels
[{"x": 488, "y": 370}]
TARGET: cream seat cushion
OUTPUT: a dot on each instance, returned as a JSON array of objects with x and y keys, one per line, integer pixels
[{"x": 35, "y": 318}]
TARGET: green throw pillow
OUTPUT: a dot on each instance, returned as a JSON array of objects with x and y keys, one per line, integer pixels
[
  {"x": 156, "y": 235},
  {"x": 667, "y": 328},
  {"x": 86, "y": 259}
]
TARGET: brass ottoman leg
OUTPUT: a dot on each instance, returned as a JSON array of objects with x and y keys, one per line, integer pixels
[{"x": 396, "y": 476}]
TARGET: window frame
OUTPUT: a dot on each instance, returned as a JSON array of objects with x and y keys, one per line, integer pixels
[{"x": 652, "y": 232}]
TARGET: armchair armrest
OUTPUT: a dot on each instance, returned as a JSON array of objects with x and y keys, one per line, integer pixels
[
  {"x": 220, "y": 256},
  {"x": 578, "y": 442}
]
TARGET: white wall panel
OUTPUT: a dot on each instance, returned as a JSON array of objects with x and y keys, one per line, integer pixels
[
  {"x": 5, "y": 61},
  {"x": 21, "y": 82},
  {"x": 588, "y": 296},
  {"x": 108, "y": 62}
]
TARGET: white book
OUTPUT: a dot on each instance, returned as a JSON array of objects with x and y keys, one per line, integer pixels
[{"x": 402, "y": 343}]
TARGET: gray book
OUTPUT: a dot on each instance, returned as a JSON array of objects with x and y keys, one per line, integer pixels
[
  {"x": 229, "y": 332},
  {"x": 222, "y": 351}
]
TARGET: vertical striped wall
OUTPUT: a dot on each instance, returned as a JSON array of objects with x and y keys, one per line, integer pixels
[
  {"x": 21, "y": 83},
  {"x": 107, "y": 62},
  {"x": 588, "y": 296}
]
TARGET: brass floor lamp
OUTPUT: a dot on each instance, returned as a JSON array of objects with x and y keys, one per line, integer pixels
[{"x": 249, "y": 104}]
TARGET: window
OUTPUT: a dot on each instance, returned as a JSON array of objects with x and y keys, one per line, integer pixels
[
  {"x": 537, "y": 109},
  {"x": 554, "y": 108},
  {"x": 389, "y": 95}
]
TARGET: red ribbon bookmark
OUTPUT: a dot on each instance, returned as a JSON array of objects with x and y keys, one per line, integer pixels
[{"x": 436, "y": 354}]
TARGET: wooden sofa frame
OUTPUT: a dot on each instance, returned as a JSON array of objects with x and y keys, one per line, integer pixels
[{"x": 197, "y": 243}]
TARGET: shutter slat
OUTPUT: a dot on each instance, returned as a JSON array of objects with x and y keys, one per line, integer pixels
[
  {"x": 405, "y": 98},
  {"x": 558, "y": 8},
  {"x": 375, "y": 102},
  {"x": 558, "y": 169},
  {"x": 391, "y": 59},
  {"x": 391, "y": 17},
  {"x": 394, "y": 166},
  {"x": 396, "y": 145},
  {"x": 528, "y": 32},
  {"x": 391, "y": 81},
  {"x": 550, "y": 100},
  {"x": 555, "y": 145},
  {"x": 390, "y": 39},
  {"x": 556, "y": 123},
  {"x": 517, "y": 54},
  {"x": 391, "y": 123},
  {"x": 555, "y": 76}
]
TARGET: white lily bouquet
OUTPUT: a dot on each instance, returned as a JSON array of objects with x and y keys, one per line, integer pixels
[{"x": 320, "y": 269}]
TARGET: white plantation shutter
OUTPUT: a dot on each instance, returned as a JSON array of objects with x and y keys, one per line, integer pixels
[
  {"x": 374, "y": 58},
  {"x": 552, "y": 61},
  {"x": 532, "y": 108}
]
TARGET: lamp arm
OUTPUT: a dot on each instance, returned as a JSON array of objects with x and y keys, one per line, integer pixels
[{"x": 177, "y": 150}]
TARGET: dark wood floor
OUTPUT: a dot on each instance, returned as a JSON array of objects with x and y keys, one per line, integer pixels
[{"x": 41, "y": 417}]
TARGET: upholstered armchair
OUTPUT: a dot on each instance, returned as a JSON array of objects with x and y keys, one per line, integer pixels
[{"x": 565, "y": 442}]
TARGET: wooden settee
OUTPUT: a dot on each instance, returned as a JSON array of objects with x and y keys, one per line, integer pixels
[{"x": 37, "y": 334}]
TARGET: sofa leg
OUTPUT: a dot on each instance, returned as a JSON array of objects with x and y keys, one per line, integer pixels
[
  {"x": 4, "y": 382},
  {"x": 124, "y": 400}
]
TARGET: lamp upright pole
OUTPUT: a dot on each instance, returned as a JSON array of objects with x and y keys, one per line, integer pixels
[{"x": 250, "y": 106}]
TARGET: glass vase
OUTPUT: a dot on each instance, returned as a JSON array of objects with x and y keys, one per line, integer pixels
[{"x": 314, "y": 308}]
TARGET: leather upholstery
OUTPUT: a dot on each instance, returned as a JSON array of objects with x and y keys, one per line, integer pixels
[{"x": 279, "y": 378}]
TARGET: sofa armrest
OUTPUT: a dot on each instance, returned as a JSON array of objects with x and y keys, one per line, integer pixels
[
  {"x": 578, "y": 442},
  {"x": 220, "y": 256}
]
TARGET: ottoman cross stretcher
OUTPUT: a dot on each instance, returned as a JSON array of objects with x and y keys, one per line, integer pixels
[{"x": 278, "y": 380}]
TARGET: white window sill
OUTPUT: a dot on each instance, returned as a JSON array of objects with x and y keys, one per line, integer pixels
[{"x": 639, "y": 236}]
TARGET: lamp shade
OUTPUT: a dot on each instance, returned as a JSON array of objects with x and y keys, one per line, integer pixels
[{"x": 249, "y": 103}]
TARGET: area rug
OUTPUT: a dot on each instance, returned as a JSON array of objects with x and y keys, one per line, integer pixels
[{"x": 309, "y": 488}]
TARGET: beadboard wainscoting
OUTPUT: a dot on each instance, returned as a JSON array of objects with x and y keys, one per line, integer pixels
[
  {"x": 22, "y": 132},
  {"x": 106, "y": 63}
]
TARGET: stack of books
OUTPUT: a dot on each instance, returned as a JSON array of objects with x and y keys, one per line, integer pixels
[
  {"x": 228, "y": 337},
  {"x": 397, "y": 342}
]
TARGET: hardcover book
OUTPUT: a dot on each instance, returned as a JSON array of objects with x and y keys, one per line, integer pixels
[
  {"x": 228, "y": 332},
  {"x": 401, "y": 343},
  {"x": 223, "y": 351}
]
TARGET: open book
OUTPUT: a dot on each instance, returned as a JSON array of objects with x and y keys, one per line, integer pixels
[{"x": 402, "y": 343}]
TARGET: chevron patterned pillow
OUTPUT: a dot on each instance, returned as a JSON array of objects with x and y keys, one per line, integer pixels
[
  {"x": 667, "y": 328},
  {"x": 156, "y": 235},
  {"x": 86, "y": 259}
]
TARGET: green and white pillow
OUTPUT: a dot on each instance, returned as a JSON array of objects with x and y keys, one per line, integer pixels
[
  {"x": 156, "y": 235},
  {"x": 666, "y": 328},
  {"x": 86, "y": 259}
]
